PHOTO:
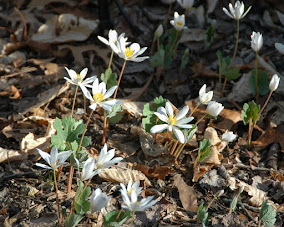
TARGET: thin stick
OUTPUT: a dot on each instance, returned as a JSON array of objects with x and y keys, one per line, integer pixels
[
  {"x": 119, "y": 79},
  {"x": 74, "y": 99},
  {"x": 57, "y": 199}
]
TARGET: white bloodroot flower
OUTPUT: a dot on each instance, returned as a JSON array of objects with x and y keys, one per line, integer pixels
[
  {"x": 178, "y": 22},
  {"x": 159, "y": 31},
  {"x": 256, "y": 41},
  {"x": 132, "y": 203},
  {"x": 78, "y": 79},
  {"x": 105, "y": 159},
  {"x": 88, "y": 169},
  {"x": 131, "y": 187},
  {"x": 54, "y": 159},
  {"x": 130, "y": 53},
  {"x": 237, "y": 11},
  {"x": 168, "y": 1},
  {"x": 186, "y": 4},
  {"x": 214, "y": 108},
  {"x": 98, "y": 200},
  {"x": 100, "y": 94},
  {"x": 274, "y": 82},
  {"x": 280, "y": 47},
  {"x": 173, "y": 123},
  {"x": 205, "y": 97},
  {"x": 229, "y": 136}
]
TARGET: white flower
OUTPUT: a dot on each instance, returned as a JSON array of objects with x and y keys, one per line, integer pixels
[
  {"x": 112, "y": 38},
  {"x": 88, "y": 169},
  {"x": 130, "y": 53},
  {"x": 100, "y": 94},
  {"x": 168, "y": 1},
  {"x": 237, "y": 11},
  {"x": 105, "y": 159},
  {"x": 214, "y": 108},
  {"x": 78, "y": 79},
  {"x": 173, "y": 122},
  {"x": 132, "y": 203},
  {"x": 229, "y": 136},
  {"x": 279, "y": 47},
  {"x": 131, "y": 187},
  {"x": 186, "y": 4},
  {"x": 256, "y": 41},
  {"x": 54, "y": 159},
  {"x": 274, "y": 82},
  {"x": 178, "y": 22},
  {"x": 159, "y": 31},
  {"x": 98, "y": 200},
  {"x": 205, "y": 97}
]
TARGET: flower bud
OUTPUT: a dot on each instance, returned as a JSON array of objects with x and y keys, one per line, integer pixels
[
  {"x": 214, "y": 108},
  {"x": 256, "y": 41},
  {"x": 159, "y": 31},
  {"x": 219, "y": 193},
  {"x": 274, "y": 82},
  {"x": 228, "y": 136}
]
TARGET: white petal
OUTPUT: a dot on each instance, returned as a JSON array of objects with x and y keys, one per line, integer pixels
[
  {"x": 95, "y": 88},
  {"x": 44, "y": 155},
  {"x": 43, "y": 166},
  {"x": 70, "y": 81},
  {"x": 72, "y": 74},
  {"x": 102, "y": 88},
  {"x": 227, "y": 12},
  {"x": 183, "y": 126},
  {"x": 93, "y": 106},
  {"x": 53, "y": 156},
  {"x": 179, "y": 135},
  {"x": 158, "y": 128},
  {"x": 138, "y": 59},
  {"x": 162, "y": 111},
  {"x": 86, "y": 92},
  {"x": 110, "y": 92},
  {"x": 83, "y": 73},
  {"x": 105, "y": 107},
  {"x": 104, "y": 40},
  {"x": 169, "y": 109},
  {"x": 162, "y": 117},
  {"x": 182, "y": 113},
  {"x": 184, "y": 121},
  {"x": 64, "y": 155}
]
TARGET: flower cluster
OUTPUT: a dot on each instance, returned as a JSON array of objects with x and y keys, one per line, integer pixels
[{"x": 237, "y": 12}]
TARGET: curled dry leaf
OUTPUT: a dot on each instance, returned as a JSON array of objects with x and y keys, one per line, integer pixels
[
  {"x": 159, "y": 172},
  {"x": 257, "y": 196},
  {"x": 13, "y": 155},
  {"x": 65, "y": 28},
  {"x": 124, "y": 176},
  {"x": 133, "y": 108},
  {"x": 12, "y": 92},
  {"x": 187, "y": 195}
]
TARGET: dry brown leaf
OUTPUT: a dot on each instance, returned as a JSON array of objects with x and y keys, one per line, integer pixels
[
  {"x": 12, "y": 92},
  {"x": 193, "y": 35},
  {"x": 124, "y": 176},
  {"x": 13, "y": 155},
  {"x": 159, "y": 172},
  {"x": 271, "y": 135},
  {"x": 200, "y": 170},
  {"x": 231, "y": 117},
  {"x": 65, "y": 28},
  {"x": 257, "y": 196},
  {"x": 187, "y": 195},
  {"x": 133, "y": 108}
]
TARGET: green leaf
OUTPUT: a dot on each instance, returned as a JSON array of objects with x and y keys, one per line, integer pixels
[
  {"x": 209, "y": 36},
  {"x": 204, "y": 149},
  {"x": 250, "y": 111},
  {"x": 189, "y": 133},
  {"x": 149, "y": 119},
  {"x": 202, "y": 215},
  {"x": 234, "y": 203},
  {"x": 267, "y": 214},
  {"x": 225, "y": 69},
  {"x": 68, "y": 130},
  {"x": 158, "y": 58},
  {"x": 73, "y": 220},
  {"x": 109, "y": 78},
  {"x": 111, "y": 219},
  {"x": 82, "y": 205},
  {"x": 262, "y": 81},
  {"x": 116, "y": 114}
]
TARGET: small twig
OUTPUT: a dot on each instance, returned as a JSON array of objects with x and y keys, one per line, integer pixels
[{"x": 246, "y": 211}]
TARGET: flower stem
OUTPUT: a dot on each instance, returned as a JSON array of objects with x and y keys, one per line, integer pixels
[
  {"x": 224, "y": 85},
  {"x": 109, "y": 64},
  {"x": 57, "y": 199},
  {"x": 74, "y": 99},
  {"x": 250, "y": 132},
  {"x": 85, "y": 186},
  {"x": 168, "y": 14},
  {"x": 174, "y": 147},
  {"x": 158, "y": 44},
  {"x": 197, "y": 105},
  {"x": 119, "y": 79},
  {"x": 220, "y": 82},
  {"x": 133, "y": 217},
  {"x": 237, "y": 42},
  {"x": 256, "y": 80},
  {"x": 104, "y": 129},
  {"x": 172, "y": 46},
  {"x": 200, "y": 120}
]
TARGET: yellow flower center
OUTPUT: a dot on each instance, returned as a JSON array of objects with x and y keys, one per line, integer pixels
[
  {"x": 98, "y": 97},
  {"x": 128, "y": 52},
  {"x": 129, "y": 192},
  {"x": 172, "y": 120},
  {"x": 179, "y": 23},
  {"x": 78, "y": 78}
]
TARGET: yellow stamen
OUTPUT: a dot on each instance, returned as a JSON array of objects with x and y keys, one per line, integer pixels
[
  {"x": 172, "y": 120},
  {"x": 179, "y": 23},
  {"x": 98, "y": 97},
  {"x": 128, "y": 52}
]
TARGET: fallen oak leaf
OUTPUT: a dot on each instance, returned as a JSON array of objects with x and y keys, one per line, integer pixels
[
  {"x": 230, "y": 118},
  {"x": 159, "y": 172}
]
